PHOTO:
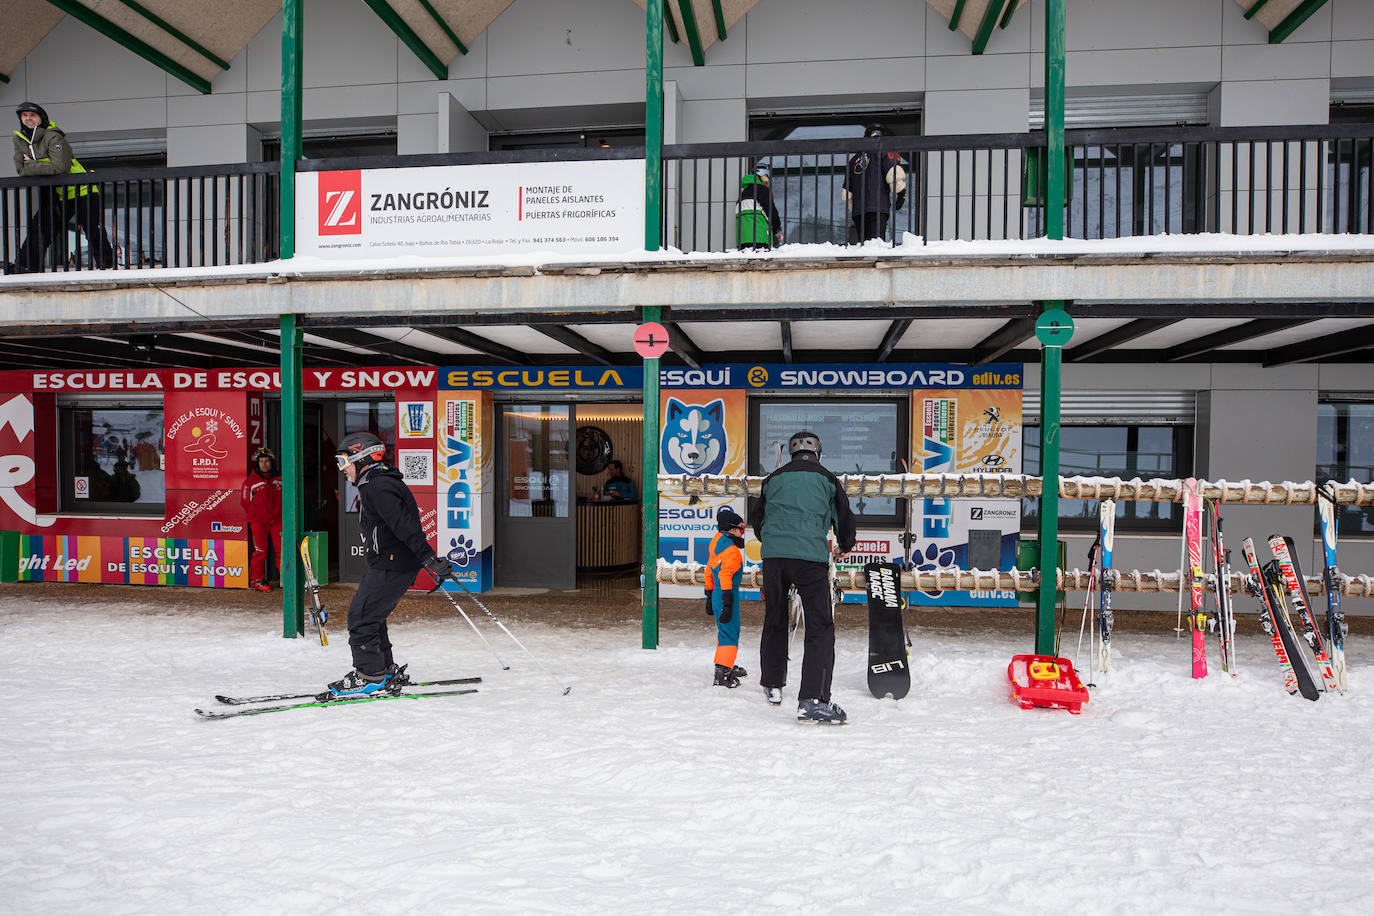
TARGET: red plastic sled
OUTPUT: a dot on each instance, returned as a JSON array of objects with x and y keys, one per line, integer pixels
[{"x": 1044, "y": 680}]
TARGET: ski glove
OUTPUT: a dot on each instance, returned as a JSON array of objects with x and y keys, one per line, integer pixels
[
  {"x": 901, "y": 199},
  {"x": 439, "y": 568},
  {"x": 709, "y": 612},
  {"x": 727, "y": 607}
]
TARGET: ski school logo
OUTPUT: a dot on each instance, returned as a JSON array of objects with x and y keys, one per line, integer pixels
[
  {"x": 694, "y": 438},
  {"x": 341, "y": 203}
]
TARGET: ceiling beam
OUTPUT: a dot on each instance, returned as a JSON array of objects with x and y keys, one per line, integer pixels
[
  {"x": 176, "y": 33},
  {"x": 1259, "y": 5},
  {"x": 689, "y": 25},
  {"x": 132, "y": 43},
  {"x": 720, "y": 19},
  {"x": 403, "y": 31},
  {"x": 989, "y": 22},
  {"x": 670, "y": 23},
  {"x": 480, "y": 344},
  {"x": 444, "y": 26},
  {"x": 380, "y": 344},
  {"x": 1116, "y": 337},
  {"x": 954, "y": 16},
  {"x": 786, "y": 328},
  {"x": 1293, "y": 20},
  {"x": 683, "y": 345},
  {"x": 312, "y": 353},
  {"x": 578, "y": 342},
  {"x": 1002, "y": 340},
  {"x": 1322, "y": 348},
  {"x": 124, "y": 352},
  {"x": 895, "y": 330},
  {"x": 1242, "y": 332}
]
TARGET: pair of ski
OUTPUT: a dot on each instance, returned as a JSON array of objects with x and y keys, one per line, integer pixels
[
  {"x": 280, "y": 702},
  {"x": 1199, "y": 621}
]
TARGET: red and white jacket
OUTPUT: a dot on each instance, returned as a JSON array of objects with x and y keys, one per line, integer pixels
[{"x": 261, "y": 498}]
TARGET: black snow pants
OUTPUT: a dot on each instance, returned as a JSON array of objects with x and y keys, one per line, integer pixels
[
  {"x": 812, "y": 580},
  {"x": 378, "y": 594}
]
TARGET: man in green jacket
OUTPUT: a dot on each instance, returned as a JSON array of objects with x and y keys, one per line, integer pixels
[
  {"x": 42, "y": 150},
  {"x": 800, "y": 502}
]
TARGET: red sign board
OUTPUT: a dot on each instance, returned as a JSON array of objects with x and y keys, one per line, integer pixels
[{"x": 651, "y": 340}]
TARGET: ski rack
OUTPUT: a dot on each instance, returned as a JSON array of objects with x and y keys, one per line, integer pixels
[
  {"x": 1018, "y": 486},
  {"x": 1073, "y": 580}
]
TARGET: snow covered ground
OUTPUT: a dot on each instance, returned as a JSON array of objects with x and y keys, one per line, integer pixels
[{"x": 646, "y": 790}]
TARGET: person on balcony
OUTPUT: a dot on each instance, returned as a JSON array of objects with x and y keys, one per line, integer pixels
[
  {"x": 41, "y": 149},
  {"x": 261, "y": 499},
  {"x": 757, "y": 224},
  {"x": 874, "y": 186}
]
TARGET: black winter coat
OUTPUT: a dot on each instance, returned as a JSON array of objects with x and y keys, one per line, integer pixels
[{"x": 393, "y": 537}]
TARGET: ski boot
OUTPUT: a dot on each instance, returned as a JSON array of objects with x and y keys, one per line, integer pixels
[
  {"x": 262, "y": 586},
  {"x": 774, "y": 695},
  {"x": 822, "y": 713},
  {"x": 726, "y": 677},
  {"x": 399, "y": 678},
  {"x": 356, "y": 684},
  {"x": 737, "y": 671}
]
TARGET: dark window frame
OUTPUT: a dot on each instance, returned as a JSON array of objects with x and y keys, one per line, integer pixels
[
  {"x": 1350, "y": 519},
  {"x": 67, "y": 466}
]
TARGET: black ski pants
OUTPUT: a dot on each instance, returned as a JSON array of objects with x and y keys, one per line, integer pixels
[
  {"x": 48, "y": 227},
  {"x": 812, "y": 580},
  {"x": 378, "y": 594},
  {"x": 869, "y": 225}
]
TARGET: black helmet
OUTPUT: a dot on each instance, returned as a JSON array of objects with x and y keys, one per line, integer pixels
[
  {"x": 804, "y": 441},
  {"x": 361, "y": 449},
  {"x": 874, "y": 130},
  {"x": 264, "y": 452},
  {"x": 728, "y": 519},
  {"x": 36, "y": 109}
]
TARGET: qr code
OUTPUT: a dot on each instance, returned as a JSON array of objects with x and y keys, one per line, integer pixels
[{"x": 417, "y": 465}]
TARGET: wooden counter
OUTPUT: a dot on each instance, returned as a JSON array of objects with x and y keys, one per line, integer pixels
[{"x": 608, "y": 534}]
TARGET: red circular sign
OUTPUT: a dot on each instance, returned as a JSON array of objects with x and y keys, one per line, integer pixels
[{"x": 651, "y": 340}]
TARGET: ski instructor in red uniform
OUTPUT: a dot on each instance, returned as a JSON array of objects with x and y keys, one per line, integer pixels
[{"x": 261, "y": 499}]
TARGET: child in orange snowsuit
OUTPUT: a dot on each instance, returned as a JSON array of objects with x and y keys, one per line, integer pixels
[{"x": 724, "y": 567}]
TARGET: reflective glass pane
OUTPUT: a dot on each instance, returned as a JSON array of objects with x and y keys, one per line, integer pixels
[{"x": 536, "y": 460}]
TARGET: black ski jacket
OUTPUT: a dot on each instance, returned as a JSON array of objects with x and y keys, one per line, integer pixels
[{"x": 393, "y": 537}]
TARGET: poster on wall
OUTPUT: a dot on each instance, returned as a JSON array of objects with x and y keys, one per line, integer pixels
[
  {"x": 465, "y": 498},
  {"x": 134, "y": 560},
  {"x": 206, "y": 440},
  {"x": 703, "y": 432},
  {"x": 966, "y": 431},
  {"x": 580, "y": 206}
]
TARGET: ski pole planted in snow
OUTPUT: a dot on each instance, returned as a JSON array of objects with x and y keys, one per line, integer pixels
[{"x": 439, "y": 586}]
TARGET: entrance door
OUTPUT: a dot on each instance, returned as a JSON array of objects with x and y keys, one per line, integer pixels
[{"x": 535, "y": 526}]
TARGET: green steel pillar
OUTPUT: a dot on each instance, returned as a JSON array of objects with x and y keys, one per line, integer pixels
[
  {"x": 650, "y": 480},
  {"x": 1053, "y": 329},
  {"x": 292, "y": 23},
  {"x": 653, "y": 133},
  {"x": 292, "y": 514}
]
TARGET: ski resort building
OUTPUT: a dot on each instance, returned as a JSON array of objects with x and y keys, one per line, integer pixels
[{"x": 464, "y": 226}]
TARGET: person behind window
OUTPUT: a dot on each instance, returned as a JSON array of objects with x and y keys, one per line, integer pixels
[
  {"x": 261, "y": 499},
  {"x": 724, "y": 567},
  {"x": 41, "y": 149},
  {"x": 757, "y": 224},
  {"x": 874, "y": 186},
  {"x": 618, "y": 487}
]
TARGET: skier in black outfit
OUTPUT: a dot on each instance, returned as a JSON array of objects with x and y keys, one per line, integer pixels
[
  {"x": 396, "y": 548},
  {"x": 874, "y": 186},
  {"x": 800, "y": 502}
]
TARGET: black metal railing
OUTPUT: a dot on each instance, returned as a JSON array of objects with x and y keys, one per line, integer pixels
[
  {"x": 1120, "y": 183},
  {"x": 191, "y": 216}
]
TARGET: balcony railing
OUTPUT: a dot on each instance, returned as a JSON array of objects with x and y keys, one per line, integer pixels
[{"x": 1125, "y": 182}]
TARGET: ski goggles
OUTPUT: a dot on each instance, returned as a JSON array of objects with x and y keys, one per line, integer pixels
[{"x": 344, "y": 460}]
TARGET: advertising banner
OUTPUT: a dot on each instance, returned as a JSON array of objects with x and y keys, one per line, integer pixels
[
  {"x": 465, "y": 499},
  {"x": 703, "y": 432},
  {"x": 966, "y": 431},
  {"x": 70, "y": 558},
  {"x": 206, "y": 441},
  {"x": 133, "y": 561},
  {"x": 453, "y": 210}
]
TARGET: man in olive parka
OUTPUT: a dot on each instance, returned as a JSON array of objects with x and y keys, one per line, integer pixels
[{"x": 41, "y": 149}]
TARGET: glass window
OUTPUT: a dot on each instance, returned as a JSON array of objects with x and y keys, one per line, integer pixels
[
  {"x": 1114, "y": 451},
  {"x": 857, "y": 437},
  {"x": 111, "y": 460},
  {"x": 536, "y": 460},
  {"x": 378, "y": 418},
  {"x": 1131, "y": 189},
  {"x": 1345, "y": 451}
]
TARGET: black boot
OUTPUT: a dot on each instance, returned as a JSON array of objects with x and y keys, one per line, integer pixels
[{"x": 726, "y": 677}]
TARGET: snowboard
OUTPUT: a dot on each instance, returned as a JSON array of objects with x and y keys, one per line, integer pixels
[{"x": 888, "y": 668}]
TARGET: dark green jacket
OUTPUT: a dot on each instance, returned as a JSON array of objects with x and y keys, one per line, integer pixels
[
  {"x": 49, "y": 153},
  {"x": 800, "y": 503}
]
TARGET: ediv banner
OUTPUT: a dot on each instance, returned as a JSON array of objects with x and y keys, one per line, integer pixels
[{"x": 439, "y": 211}]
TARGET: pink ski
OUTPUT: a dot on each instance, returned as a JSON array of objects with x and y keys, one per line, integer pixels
[{"x": 1192, "y": 532}]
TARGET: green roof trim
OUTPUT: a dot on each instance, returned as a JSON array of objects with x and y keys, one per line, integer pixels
[
  {"x": 1006, "y": 17},
  {"x": 954, "y": 16},
  {"x": 1293, "y": 20},
  {"x": 720, "y": 19},
  {"x": 671, "y": 24},
  {"x": 132, "y": 43},
  {"x": 439, "y": 20},
  {"x": 176, "y": 33},
  {"x": 4, "y": 78},
  {"x": 689, "y": 25},
  {"x": 990, "y": 16},
  {"x": 408, "y": 37},
  {"x": 1250, "y": 13}
]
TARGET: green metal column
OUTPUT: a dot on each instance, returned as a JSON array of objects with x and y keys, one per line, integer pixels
[
  {"x": 653, "y": 132},
  {"x": 1050, "y": 356},
  {"x": 650, "y": 480},
  {"x": 292, "y": 24},
  {"x": 292, "y": 514}
]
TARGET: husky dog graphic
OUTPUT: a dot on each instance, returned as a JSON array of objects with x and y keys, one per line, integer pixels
[{"x": 694, "y": 438}]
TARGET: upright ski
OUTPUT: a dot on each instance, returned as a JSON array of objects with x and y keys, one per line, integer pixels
[
  {"x": 346, "y": 701},
  {"x": 318, "y": 615},
  {"x": 1192, "y": 533},
  {"x": 1106, "y": 533},
  {"x": 1335, "y": 618},
  {"x": 1226, "y": 616},
  {"x": 889, "y": 668},
  {"x": 277, "y": 697},
  {"x": 1297, "y": 674},
  {"x": 1290, "y": 571}
]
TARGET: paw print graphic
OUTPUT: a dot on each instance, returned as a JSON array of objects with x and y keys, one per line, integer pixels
[
  {"x": 461, "y": 550},
  {"x": 935, "y": 558}
]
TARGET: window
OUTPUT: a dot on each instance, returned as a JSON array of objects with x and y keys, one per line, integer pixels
[
  {"x": 1349, "y": 169},
  {"x": 1124, "y": 451},
  {"x": 336, "y": 145},
  {"x": 1131, "y": 189},
  {"x": 857, "y": 437},
  {"x": 585, "y": 138},
  {"x": 111, "y": 460},
  {"x": 1345, "y": 450}
]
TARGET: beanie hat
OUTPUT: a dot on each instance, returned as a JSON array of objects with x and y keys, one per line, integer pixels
[{"x": 728, "y": 519}]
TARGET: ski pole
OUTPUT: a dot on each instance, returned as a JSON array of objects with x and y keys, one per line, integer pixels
[
  {"x": 439, "y": 587},
  {"x": 566, "y": 690}
]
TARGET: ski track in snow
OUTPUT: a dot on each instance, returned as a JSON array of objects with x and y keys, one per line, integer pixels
[{"x": 647, "y": 790}]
